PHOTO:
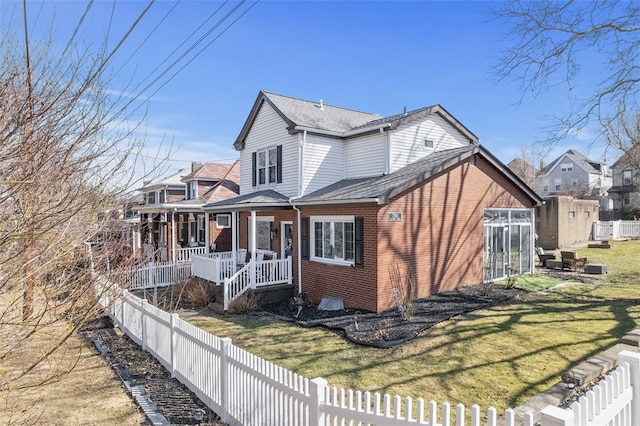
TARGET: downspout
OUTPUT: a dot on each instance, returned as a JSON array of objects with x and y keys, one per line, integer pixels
[
  {"x": 299, "y": 213},
  {"x": 173, "y": 233},
  {"x": 299, "y": 257}
]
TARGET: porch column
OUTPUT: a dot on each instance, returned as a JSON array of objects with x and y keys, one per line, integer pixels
[
  {"x": 207, "y": 237},
  {"x": 234, "y": 232},
  {"x": 252, "y": 238},
  {"x": 174, "y": 236}
]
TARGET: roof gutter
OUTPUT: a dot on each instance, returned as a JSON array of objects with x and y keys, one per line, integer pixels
[
  {"x": 346, "y": 201},
  {"x": 346, "y": 134}
]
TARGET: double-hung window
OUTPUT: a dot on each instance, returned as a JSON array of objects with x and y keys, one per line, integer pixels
[
  {"x": 267, "y": 166},
  {"x": 626, "y": 177},
  {"x": 333, "y": 239}
]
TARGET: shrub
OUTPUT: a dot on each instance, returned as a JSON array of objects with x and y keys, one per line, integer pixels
[
  {"x": 243, "y": 304},
  {"x": 403, "y": 290}
]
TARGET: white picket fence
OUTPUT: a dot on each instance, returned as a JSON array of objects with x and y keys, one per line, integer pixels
[
  {"x": 247, "y": 390},
  {"x": 616, "y": 229},
  {"x": 152, "y": 274}
]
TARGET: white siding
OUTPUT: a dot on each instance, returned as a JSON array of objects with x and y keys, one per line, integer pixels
[
  {"x": 407, "y": 141},
  {"x": 269, "y": 130},
  {"x": 365, "y": 156},
  {"x": 323, "y": 162}
]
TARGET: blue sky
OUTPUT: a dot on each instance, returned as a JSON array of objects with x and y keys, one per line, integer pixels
[{"x": 372, "y": 56}]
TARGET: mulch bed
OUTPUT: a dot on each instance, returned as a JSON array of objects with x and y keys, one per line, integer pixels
[
  {"x": 172, "y": 398},
  {"x": 389, "y": 329}
]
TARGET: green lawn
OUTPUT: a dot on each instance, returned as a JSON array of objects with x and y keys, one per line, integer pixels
[{"x": 495, "y": 357}]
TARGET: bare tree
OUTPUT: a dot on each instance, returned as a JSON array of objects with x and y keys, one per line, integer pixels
[
  {"x": 550, "y": 43},
  {"x": 68, "y": 149}
]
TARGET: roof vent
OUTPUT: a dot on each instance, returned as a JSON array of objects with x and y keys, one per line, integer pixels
[
  {"x": 321, "y": 104},
  {"x": 405, "y": 110}
]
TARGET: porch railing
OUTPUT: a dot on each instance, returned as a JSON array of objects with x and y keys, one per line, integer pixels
[
  {"x": 257, "y": 274},
  {"x": 214, "y": 267},
  {"x": 184, "y": 254},
  {"x": 153, "y": 274}
]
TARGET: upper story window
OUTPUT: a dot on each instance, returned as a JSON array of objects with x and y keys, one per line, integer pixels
[
  {"x": 626, "y": 177},
  {"x": 191, "y": 190},
  {"x": 267, "y": 166},
  {"x": 558, "y": 184},
  {"x": 151, "y": 198},
  {"x": 566, "y": 167},
  {"x": 428, "y": 143}
]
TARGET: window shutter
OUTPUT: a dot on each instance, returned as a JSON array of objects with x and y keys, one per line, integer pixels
[
  {"x": 304, "y": 237},
  {"x": 279, "y": 164},
  {"x": 359, "y": 248},
  {"x": 253, "y": 169}
]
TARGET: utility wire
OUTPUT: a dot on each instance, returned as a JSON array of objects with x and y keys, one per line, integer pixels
[
  {"x": 198, "y": 53},
  {"x": 149, "y": 36}
]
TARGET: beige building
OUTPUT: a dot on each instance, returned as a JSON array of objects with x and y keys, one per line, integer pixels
[{"x": 564, "y": 221}]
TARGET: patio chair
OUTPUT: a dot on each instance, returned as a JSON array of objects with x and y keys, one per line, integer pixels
[
  {"x": 571, "y": 261},
  {"x": 544, "y": 256}
]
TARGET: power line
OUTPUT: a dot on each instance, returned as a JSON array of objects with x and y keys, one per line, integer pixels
[
  {"x": 205, "y": 47},
  {"x": 188, "y": 50}
]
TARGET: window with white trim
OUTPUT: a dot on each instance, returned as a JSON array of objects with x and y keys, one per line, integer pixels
[
  {"x": 191, "y": 190},
  {"x": 428, "y": 143},
  {"x": 626, "y": 177},
  {"x": 566, "y": 167},
  {"x": 558, "y": 184},
  {"x": 201, "y": 228},
  {"x": 333, "y": 239},
  {"x": 223, "y": 221},
  {"x": 267, "y": 166}
]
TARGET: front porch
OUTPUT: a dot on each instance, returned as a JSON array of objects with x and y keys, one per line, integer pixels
[{"x": 237, "y": 275}]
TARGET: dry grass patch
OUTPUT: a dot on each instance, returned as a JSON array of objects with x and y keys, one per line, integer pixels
[{"x": 71, "y": 385}]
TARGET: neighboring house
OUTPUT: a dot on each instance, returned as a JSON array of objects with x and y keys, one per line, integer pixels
[
  {"x": 121, "y": 226},
  {"x": 625, "y": 190},
  {"x": 525, "y": 171},
  {"x": 352, "y": 198},
  {"x": 173, "y": 222},
  {"x": 574, "y": 174}
]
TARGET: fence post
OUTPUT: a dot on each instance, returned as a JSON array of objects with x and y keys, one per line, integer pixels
[
  {"x": 173, "y": 319},
  {"x": 317, "y": 393},
  {"x": 142, "y": 321},
  {"x": 633, "y": 359},
  {"x": 125, "y": 293},
  {"x": 556, "y": 416},
  {"x": 224, "y": 379}
]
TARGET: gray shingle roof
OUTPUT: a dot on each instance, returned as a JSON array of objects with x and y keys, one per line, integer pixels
[
  {"x": 266, "y": 197},
  {"x": 578, "y": 158},
  {"x": 336, "y": 121},
  {"x": 325, "y": 117}
]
